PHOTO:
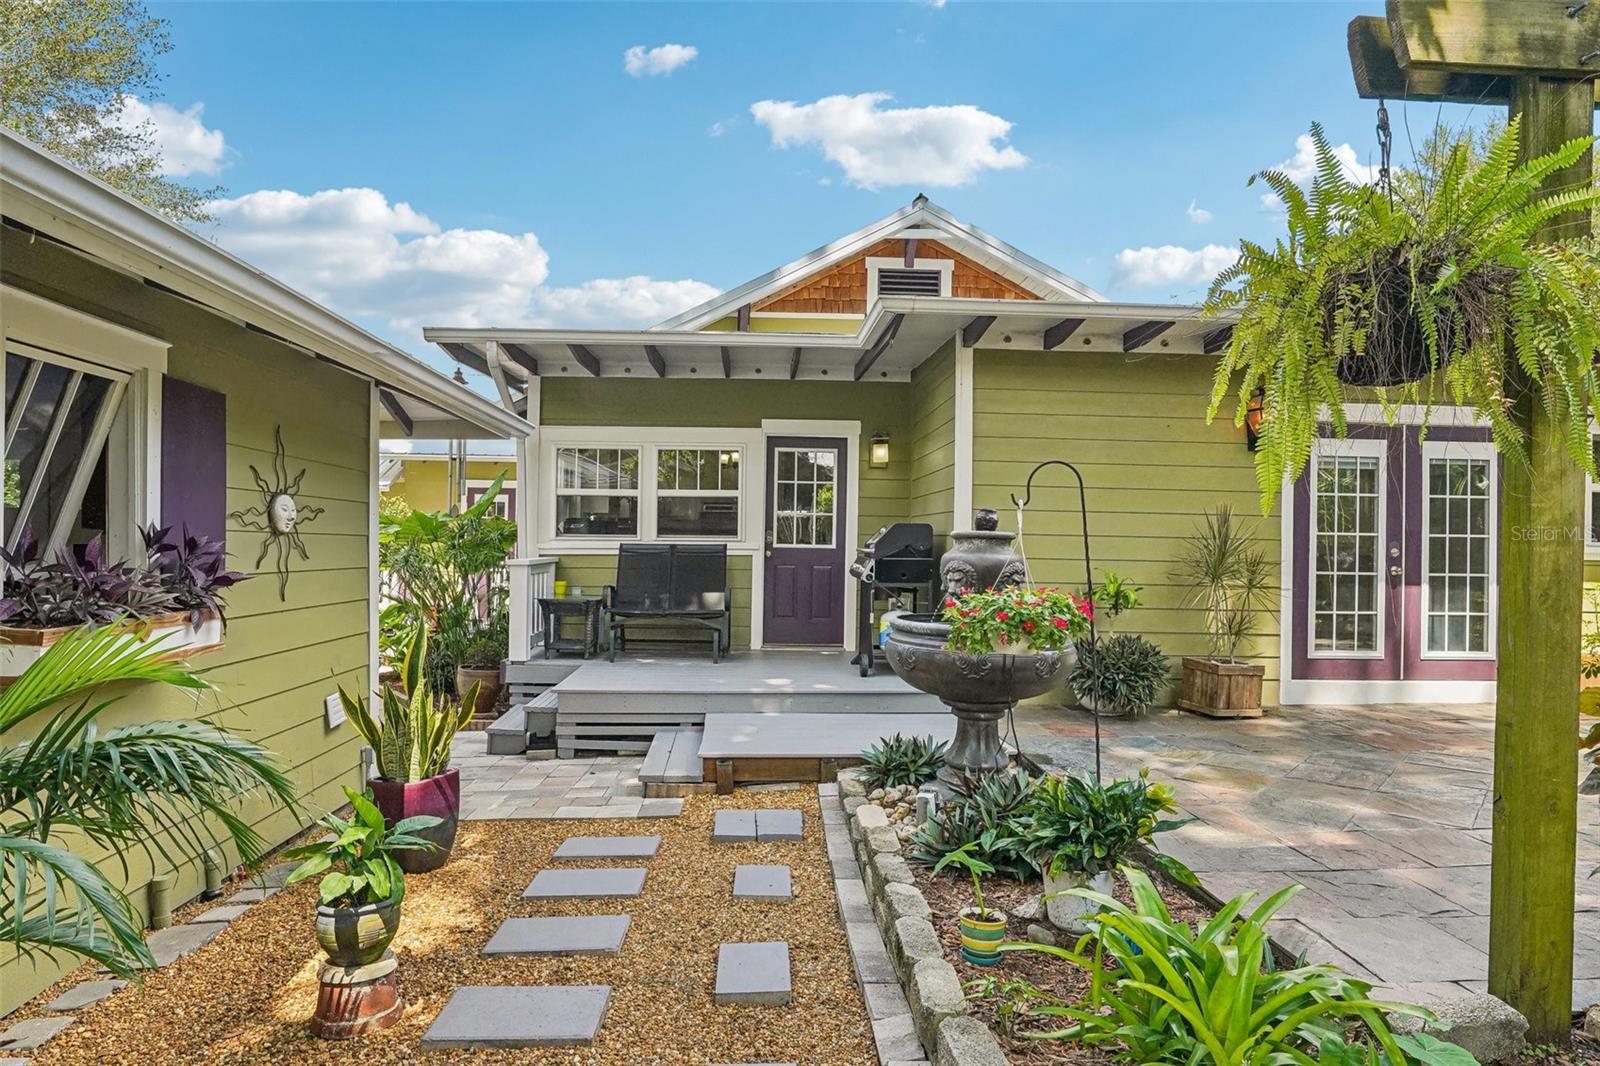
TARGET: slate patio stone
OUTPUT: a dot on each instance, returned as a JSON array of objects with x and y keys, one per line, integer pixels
[
  {"x": 1378, "y": 893},
  {"x": 733, "y": 827},
  {"x": 221, "y": 915},
  {"x": 774, "y": 825},
  {"x": 753, "y": 973},
  {"x": 32, "y": 1034},
  {"x": 254, "y": 894},
  {"x": 587, "y": 883},
  {"x": 1429, "y": 953},
  {"x": 519, "y": 1016},
  {"x": 595, "y": 935},
  {"x": 661, "y": 807},
  {"x": 768, "y": 884},
  {"x": 171, "y": 944},
  {"x": 641, "y": 847},
  {"x": 85, "y": 994}
]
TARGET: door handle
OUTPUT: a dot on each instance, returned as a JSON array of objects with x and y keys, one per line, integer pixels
[
  {"x": 1395, "y": 572},
  {"x": 769, "y": 544}
]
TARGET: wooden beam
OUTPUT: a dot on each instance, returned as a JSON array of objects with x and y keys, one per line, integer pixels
[
  {"x": 973, "y": 331},
  {"x": 794, "y": 364},
  {"x": 1378, "y": 74},
  {"x": 727, "y": 362},
  {"x": 1143, "y": 334},
  {"x": 466, "y": 355},
  {"x": 585, "y": 359},
  {"x": 658, "y": 362},
  {"x": 870, "y": 356},
  {"x": 1055, "y": 336},
  {"x": 911, "y": 252},
  {"x": 1510, "y": 37},
  {"x": 744, "y": 319},
  {"x": 521, "y": 356},
  {"x": 1217, "y": 340},
  {"x": 391, "y": 403}
]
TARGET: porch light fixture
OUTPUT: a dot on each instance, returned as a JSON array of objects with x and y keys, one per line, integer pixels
[
  {"x": 1253, "y": 416},
  {"x": 878, "y": 455}
]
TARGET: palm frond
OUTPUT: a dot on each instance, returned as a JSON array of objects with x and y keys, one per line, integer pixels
[
  {"x": 56, "y": 902},
  {"x": 86, "y": 659}
]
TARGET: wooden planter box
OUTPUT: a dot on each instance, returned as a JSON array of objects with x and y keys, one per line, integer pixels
[
  {"x": 21, "y": 646},
  {"x": 1221, "y": 690}
]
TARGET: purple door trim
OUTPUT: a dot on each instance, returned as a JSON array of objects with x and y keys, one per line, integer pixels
[{"x": 803, "y": 601}]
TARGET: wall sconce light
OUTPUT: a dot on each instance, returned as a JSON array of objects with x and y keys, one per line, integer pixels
[
  {"x": 878, "y": 453},
  {"x": 1254, "y": 414}
]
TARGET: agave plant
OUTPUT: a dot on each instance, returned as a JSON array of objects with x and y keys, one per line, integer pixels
[
  {"x": 163, "y": 788},
  {"x": 897, "y": 760},
  {"x": 412, "y": 738}
]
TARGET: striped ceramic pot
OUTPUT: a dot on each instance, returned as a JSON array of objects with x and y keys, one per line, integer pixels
[
  {"x": 981, "y": 934},
  {"x": 356, "y": 936}
]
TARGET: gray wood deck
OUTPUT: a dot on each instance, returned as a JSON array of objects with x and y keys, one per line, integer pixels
[{"x": 825, "y": 736}]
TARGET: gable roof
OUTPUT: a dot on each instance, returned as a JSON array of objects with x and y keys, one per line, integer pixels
[{"x": 923, "y": 219}]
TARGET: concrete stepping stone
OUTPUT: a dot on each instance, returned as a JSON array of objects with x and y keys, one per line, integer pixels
[
  {"x": 587, "y": 883},
  {"x": 734, "y": 827},
  {"x": 173, "y": 943},
  {"x": 86, "y": 994},
  {"x": 601, "y": 935},
  {"x": 574, "y": 848},
  {"x": 661, "y": 807},
  {"x": 774, "y": 825},
  {"x": 766, "y": 884},
  {"x": 520, "y": 1016},
  {"x": 224, "y": 914},
  {"x": 33, "y": 1033},
  {"x": 753, "y": 973},
  {"x": 254, "y": 894}
]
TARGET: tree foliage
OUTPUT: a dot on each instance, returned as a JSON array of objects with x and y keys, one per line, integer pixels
[{"x": 70, "y": 66}]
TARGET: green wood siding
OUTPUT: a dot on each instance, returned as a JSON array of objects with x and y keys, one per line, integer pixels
[
  {"x": 1136, "y": 428},
  {"x": 931, "y": 491},
  {"x": 280, "y": 659}
]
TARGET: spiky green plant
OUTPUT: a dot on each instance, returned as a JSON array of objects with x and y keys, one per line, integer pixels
[
  {"x": 897, "y": 760},
  {"x": 412, "y": 737},
  {"x": 984, "y": 814},
  {"x": 1453, "y": 264}
]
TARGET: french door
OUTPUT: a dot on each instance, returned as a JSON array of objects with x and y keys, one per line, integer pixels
[
  {"x": 807, "y": 479},
  {"x": 1395, "y": 567}
]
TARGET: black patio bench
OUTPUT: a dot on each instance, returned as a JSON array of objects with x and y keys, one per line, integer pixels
[{"x": 672, "y": 583}]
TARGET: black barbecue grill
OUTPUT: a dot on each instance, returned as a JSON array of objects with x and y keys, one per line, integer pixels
[{"x": 896, "y": 560}]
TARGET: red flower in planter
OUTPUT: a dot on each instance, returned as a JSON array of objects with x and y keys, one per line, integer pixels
[
  {"x": 1027, "y": 627},
  {"x": 1001, "y": 616}
]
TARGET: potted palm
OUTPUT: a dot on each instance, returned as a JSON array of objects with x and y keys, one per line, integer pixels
[
  {"x": 1077, "y": 832},
  {"x": 1231, "y": 582},
  {"x": 982, "y": 927},
  {"x": 411, "y": 742},
  {"x": 362, "y": 887}
]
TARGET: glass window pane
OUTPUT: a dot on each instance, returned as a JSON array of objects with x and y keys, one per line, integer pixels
[
  {"x": 730, "y": 470},
  {"x": 667, "y": 468},
  {"x": 697, "y": 516},
  {"x": 596, "y": 516},
  {"x": 785, "y": 464},
  {"x": 50, "y": 477}
]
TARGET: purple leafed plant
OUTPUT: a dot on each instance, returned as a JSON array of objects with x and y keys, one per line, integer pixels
[
  {"x": 72, "y": 590},
  {"x": 193, "y": 570}
]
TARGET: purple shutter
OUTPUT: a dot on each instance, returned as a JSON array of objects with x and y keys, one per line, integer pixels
[{"x": 194, "y": 459}]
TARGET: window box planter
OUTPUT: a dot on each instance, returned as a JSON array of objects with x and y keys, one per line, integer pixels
[
  {"x": 1221, "y": 689},
  {"x": 22, "y": 646}
]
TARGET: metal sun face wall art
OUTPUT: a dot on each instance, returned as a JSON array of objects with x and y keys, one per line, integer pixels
[{"x": 280, "y": 516}]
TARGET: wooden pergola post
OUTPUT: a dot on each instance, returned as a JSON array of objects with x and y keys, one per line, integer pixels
[{"x": 1540, "y": 58}]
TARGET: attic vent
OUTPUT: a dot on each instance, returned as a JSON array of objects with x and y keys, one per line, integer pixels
[{"x": 903, "y": 282}]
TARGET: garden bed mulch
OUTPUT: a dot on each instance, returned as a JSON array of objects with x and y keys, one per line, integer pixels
[{"x": 246, "y": 997}]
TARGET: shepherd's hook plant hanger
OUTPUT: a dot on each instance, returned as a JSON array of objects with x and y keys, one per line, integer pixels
[{"x": 1088, "y": 567}]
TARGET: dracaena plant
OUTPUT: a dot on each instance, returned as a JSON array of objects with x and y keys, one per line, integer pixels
[
  {"x": 412, "y": 736},
  {"x": 1442, "y": 288},
  {"x": 193, "y": 570},
  {"x": 1073, "y": 825}
]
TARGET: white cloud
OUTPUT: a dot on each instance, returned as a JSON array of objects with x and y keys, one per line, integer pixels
[
  {"x": 877, "y": 146},
  {"x": 1169, "y": 264},
  {"x": 1197, "y": 214},
  {"x": 182, "y": 140},
  {"x": 1302, "y": 166},
  {"x": 618, "y": 303},
  {"x": 642, "y": 62},
  {"x": 718, "y": 128},
  {"x": 1271, "y": 201}
]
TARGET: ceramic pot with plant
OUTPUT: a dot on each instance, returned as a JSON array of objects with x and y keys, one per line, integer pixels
[
  {"x": 362, "y": 885},
  {"x": 983, "y": 928},
  {"x": 1077, "y": 832},
  {"x": 1122, "y": 675},
  {"x": 411, "y": 741},
  {"x": 479, "y": 664},
  {"x": 1231, "y": 581}
]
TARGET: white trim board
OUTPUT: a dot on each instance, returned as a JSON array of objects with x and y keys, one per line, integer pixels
[
  {"x": 1360, "y": 693},
  {"x": 965, "y": 392}
]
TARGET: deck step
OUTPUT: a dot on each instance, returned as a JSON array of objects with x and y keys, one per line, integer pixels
[
  {"x": 674, "y": 758},
  {"x": 508, "y": 734}
]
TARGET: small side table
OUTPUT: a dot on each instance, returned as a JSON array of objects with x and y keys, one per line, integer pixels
[{"x": 556, "y": 608}]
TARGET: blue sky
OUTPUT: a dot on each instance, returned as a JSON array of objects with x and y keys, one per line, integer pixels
[{"x": 495, "y": 163}]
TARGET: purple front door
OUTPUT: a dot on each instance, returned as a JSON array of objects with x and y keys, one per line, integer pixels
[
  {"x": 1394, "y": 557},
  {"x": 807, "y": 478}
]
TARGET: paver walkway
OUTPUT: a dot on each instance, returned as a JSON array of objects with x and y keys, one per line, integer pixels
[
  {"x": 1382, "y": 813},
  {"x": 517, "y": 787}
]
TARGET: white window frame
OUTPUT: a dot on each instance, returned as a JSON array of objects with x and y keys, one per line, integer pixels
[
  {"x": 650, "y": 441},
  {"x": 133, "y": 445},
  {"x": 637, "y": 492},
  {"x": 875, "y": 263},
  {"x": 1333, "y": 448},
  {"x": 1456, "y": 449},
  {"x": 1591, "y": 546},
  {"x": 833, "y": 540},
  {"x": 736, "y": 494}
]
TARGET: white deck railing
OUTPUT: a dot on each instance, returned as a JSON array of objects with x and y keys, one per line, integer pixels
[{"x": 531, "y": 579}]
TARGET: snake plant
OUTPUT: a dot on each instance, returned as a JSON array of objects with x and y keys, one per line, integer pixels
[{"x": 412, "y": 738}]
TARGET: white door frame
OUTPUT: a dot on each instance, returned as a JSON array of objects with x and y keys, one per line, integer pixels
[{"x": 850, "y": 430}]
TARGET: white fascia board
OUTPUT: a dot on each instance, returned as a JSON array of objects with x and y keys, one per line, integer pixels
[{"x": 53, "y": 197}]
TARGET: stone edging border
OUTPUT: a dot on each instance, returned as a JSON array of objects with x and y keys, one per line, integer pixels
[{"x": 938, "y": 1007}]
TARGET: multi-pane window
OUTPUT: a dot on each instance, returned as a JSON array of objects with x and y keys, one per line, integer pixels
[
  {"x": 597, "y": 492},
  {"x": 1346, "y": 555},
  {"x": 1458, "y": 550},
  {"x": 697, "y": 492},
  {"x": 59, "y": 412},
  {"x": 803, "y": 504}
]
